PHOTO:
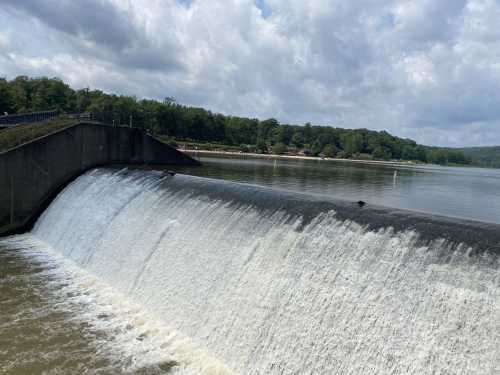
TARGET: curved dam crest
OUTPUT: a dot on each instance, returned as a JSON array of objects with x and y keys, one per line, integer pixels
[
  {"x": 33, "y": 173},
  {"x": 284, "y": 283}
]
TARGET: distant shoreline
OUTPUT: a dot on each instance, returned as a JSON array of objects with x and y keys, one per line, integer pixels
[{"x": 299, "y": 157}]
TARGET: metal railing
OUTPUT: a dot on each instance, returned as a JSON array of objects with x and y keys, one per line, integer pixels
[
  {"x": 80, "y": 116},
  {"x": 25, "y": 118},
  {"x": 32, "y": 117}
]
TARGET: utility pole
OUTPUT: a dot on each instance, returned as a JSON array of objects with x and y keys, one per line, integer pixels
[{"x": 130, "y": 120}]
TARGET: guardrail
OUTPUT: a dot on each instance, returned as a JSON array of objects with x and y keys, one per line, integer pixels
[
  {"x": 25, "y": 118},
  {"x": 80, "y": 116}
]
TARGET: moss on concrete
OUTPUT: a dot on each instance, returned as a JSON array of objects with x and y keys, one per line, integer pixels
[{"x": 12, "y": 137}]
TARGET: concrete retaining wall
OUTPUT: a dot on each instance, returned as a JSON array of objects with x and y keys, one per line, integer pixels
[{"x": 32, "y": 174}]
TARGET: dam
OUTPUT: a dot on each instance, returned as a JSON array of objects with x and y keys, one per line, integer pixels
[
  {"x": 265, "y": 281},
  {"x": 33, "y": 173}
]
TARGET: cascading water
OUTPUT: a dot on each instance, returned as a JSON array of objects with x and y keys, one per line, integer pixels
[{"x": 273, "y": 283}]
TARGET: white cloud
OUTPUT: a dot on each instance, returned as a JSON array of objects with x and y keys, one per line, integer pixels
[
  {"x": 422, "y": 68},
  {"x": 4, "y": 41}
]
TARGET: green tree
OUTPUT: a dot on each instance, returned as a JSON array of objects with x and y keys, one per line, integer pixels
[
  {"x": 353, "y": 144},
  {"x": 6, "y": 98},
  {"x": 261, "y": 146},
  {"x": 329, "y": 151},
  {"x": 316, "y": 148},
  {"x": 308, "y": 133},
  {"x": 298, "y": 138},
  {"x": 21, "y": 89},
  {"x": 279, "y": 148},
  {"x": 381, "y": 153},
  {"x": 175, "y": 121}
]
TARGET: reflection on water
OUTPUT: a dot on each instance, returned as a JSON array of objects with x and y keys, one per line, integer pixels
[{"x": 472, "y": 193}]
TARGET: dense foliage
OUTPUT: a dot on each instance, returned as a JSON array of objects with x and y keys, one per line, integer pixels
[{"x": 179, "y": 122}]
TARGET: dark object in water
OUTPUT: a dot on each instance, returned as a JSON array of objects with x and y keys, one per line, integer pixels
[
  {"x": 361, "y": 203},
  {"x": 171, "y": 173}
]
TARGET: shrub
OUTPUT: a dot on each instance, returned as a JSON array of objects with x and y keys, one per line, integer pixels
[{"x": 279, "y": 148}]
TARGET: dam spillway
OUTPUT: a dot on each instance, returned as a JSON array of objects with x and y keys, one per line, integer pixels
[
  {"x": 33, "y": 173},
  {"x": 280, "y": 283}
]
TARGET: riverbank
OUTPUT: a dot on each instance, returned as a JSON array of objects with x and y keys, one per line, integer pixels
[{"x": 196, "y": 153}]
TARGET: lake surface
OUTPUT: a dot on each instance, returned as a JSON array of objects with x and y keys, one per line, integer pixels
[{"x": 471, "y": 193}]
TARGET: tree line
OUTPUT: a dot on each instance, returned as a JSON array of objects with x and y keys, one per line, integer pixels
[{"x": 185, "y": 123}]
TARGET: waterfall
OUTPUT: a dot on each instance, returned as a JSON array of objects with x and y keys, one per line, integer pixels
[{"x": 283, "y": 283}]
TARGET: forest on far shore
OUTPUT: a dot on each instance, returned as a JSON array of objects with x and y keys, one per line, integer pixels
[{"x": 179, "y": 123}]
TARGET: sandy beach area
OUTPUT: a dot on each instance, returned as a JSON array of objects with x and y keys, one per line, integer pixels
[{"x": 295, "y": 157}]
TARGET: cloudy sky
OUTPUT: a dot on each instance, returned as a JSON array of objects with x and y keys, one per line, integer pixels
[{"x": 424, "y": 69}]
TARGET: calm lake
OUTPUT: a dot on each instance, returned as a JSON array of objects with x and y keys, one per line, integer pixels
[{"x": 471, "y": 193}]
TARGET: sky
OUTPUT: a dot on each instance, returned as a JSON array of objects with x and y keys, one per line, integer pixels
[{"x": 423, "y": 69}]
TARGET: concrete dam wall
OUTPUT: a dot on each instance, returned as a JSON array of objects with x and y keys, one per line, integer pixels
[
  {"x": 33, "y": 173},
  {"x": 271, "y": 282}
]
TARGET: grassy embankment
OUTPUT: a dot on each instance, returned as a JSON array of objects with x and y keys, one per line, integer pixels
[{"x": 12, "y": 137}]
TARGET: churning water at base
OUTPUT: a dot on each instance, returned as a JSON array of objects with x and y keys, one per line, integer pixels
[
  {"x": 266, "y": 290},
  {"x": 58, "y": 319}
]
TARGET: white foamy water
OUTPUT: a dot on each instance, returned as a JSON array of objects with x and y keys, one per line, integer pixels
[
  {"x": 120, "y": 336},
  {"x": 266, "y": 293}
]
